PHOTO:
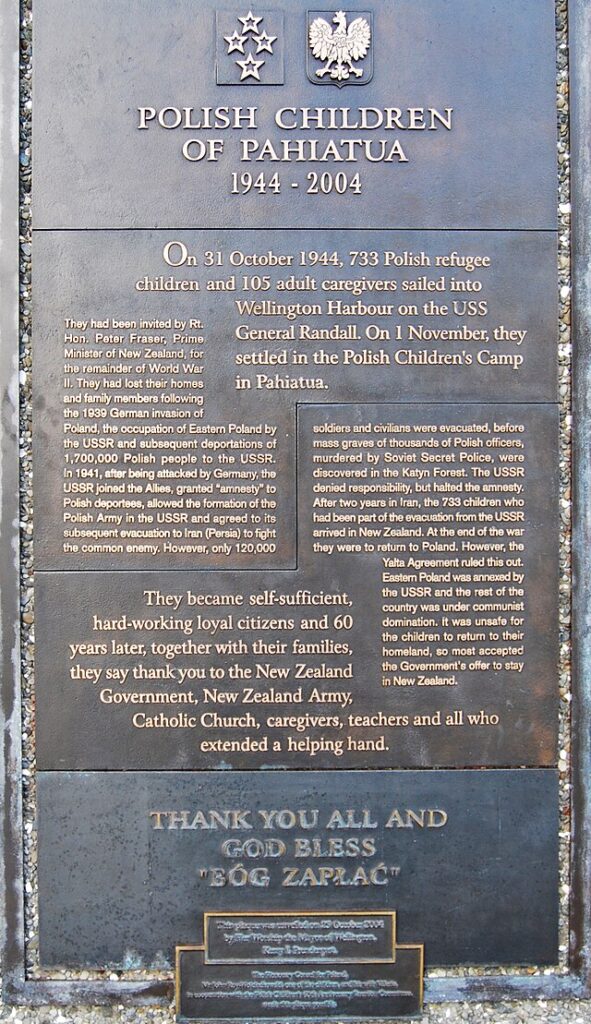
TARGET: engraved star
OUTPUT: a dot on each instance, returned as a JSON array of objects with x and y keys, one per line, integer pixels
[
  {"x": 250, "y": 23},
  {"x": 264, "y": 42},
  {"x": 235, "y": 42},
  {"x": 250, "y": 67}
]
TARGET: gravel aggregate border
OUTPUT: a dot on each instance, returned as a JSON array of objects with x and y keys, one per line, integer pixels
[{"x": 552, "y": 1012}]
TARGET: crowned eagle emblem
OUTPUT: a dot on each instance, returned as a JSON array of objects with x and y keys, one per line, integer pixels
[{"x": 340, "y": 47}]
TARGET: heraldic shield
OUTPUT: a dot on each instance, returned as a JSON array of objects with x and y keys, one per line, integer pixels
[{"x": 340, "y": 47}]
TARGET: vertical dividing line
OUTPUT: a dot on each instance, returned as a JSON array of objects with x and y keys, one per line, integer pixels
[
  {"x": 296, "y": 427},
  {"x": 580, "y": 106},
  {"x": 11, "y": 863}
]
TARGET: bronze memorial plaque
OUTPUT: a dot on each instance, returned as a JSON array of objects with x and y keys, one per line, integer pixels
[
  {"x": 450, "y": 851},
  {"x": 364, "y": 969},
  {"x": 295, "y": 443}
]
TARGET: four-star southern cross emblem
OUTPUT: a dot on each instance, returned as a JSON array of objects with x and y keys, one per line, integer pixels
[{"x": 248, "y": 42}]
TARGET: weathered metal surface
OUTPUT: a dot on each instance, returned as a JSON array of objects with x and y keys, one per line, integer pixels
[
  {"x": 542, "y": 202},
  {"x": 491, "y": 988},
  {"x": 115, "y": 859}
]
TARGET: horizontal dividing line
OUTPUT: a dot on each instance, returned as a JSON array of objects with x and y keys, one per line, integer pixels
[
  {"x": 160, "y": 568},
  {"x": 309, "y": 228},
  {"x": 554, "y": 984},
  {"x": 284, "y": 769},
  {"x": 429, "y": 401}
]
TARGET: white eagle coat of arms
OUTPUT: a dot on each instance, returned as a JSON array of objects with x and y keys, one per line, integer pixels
[{"x": 340, "y": 46}]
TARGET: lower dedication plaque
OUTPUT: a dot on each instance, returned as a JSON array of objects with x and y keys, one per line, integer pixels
[
  {"x": 354, "y": 967},
  {"x": 467, "y": 858},
  {"x": 295, "y": 455}
]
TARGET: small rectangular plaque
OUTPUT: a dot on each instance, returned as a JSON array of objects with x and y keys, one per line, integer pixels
[
  {"x": 375, "y": 977},
  {"x": 340, "y": 937},
  {"x": 282, "y": 992}
]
